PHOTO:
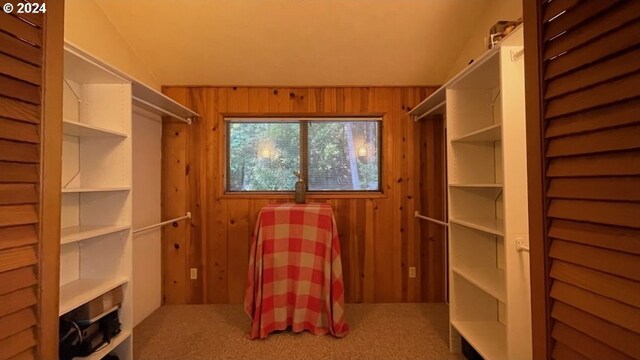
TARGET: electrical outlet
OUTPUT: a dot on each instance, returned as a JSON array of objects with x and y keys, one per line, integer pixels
[
  {"x": 194, "y": 273},
  {"x": 412, "y": 272}
]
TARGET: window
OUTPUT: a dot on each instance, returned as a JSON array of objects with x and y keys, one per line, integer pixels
[{"x": 331, "y": 154}]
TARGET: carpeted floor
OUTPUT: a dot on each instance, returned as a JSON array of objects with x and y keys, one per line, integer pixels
[{"x": 378, "y": 331}]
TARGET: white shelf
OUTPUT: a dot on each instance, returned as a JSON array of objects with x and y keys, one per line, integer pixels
[
  {"x": 489, "y": 338},
  {"x": 487, "y": 134},
  {"x": 158, "y": 103},
  {"x": 490, "y": 280},
  {"x": 488, "y": 225},
  {"x": 78, "y": 68},
  {"x": 83, "y": 232},
  {"x": 119, "y": 339},
  {"x": 433, "y": 104},
  {"x": 75, "y": 128},
  {"x": 81, "y": 291},
  {"x": 89, "y": 190},
  {"x": 479, "y": 186}
]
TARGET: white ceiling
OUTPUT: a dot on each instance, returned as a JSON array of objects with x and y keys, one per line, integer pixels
[{"x": 296, "y": 42}]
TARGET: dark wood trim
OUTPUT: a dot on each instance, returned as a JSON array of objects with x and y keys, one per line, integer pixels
[
  {"x": 306, "y": 115},
  {"x": 532, "y": 16},
  {"x": 51, "y": 155},
  {"x": 310, "y": 195}
]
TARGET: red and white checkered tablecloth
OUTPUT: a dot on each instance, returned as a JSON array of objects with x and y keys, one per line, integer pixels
[{"x": 295, "y": 272}]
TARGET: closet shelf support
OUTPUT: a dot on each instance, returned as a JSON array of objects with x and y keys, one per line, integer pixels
[{"x": 187, "y": 216}]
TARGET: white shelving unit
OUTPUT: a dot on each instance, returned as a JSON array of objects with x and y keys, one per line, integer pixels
[
  {"x": 96, "y": 241},
  {"x": 96, "y": 237},
  {"x": 487, "y": 202}
]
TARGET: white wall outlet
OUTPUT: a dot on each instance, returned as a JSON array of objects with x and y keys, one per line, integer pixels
[
  {"x": 412, "y": 272},
  {"x": 194, "y": 273}
]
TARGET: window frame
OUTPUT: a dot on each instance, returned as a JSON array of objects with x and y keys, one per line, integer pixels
[{"x": 303, "y": 120}]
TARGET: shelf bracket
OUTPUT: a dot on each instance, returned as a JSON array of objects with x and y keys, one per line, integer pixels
[{"x": 515, "y": 55}]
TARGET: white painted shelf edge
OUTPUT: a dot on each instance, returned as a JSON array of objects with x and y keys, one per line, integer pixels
[
  {"x": 439, "y": 95},
  {"x": 81, "y": 291},
  {"x": 480, "y": 186},
  {"x": 487, "y": 134},
  {"x": 488, "y": 225},
  {"x": 119, "y": 339},
  {"x": 76, "y": 128},
  {"x": 84, "y": 232},
  {"x": 85, "y": 190},
  {"x": 490, "y": 280},
  {"x": 489, "y": 338},
  {"x": 431, "y": 102}
]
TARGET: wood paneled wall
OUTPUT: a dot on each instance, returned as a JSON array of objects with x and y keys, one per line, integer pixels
[{"x": 380, "y": 238}]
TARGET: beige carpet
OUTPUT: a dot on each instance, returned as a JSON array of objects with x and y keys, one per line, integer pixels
[{"x": 378, "y": 331}]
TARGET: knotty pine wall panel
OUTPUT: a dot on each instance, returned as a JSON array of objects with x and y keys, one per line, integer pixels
[{"x": 379, "y": 236}]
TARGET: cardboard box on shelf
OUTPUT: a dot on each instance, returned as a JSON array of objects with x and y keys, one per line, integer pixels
[{"x": 98, "y": 306}]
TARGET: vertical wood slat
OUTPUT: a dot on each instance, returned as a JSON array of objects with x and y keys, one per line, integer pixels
[{"x": 50, "y": 183}]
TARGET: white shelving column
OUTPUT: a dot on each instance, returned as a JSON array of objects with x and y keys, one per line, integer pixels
[
  {"x": 96, "y": 245},
  {"x": 489, "y": 297}
]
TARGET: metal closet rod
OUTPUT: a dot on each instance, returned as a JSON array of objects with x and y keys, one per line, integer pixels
[
  {"x": 433, "y": 109},
  {"x": 417, "y": 214},
  {"x": 166, "y": 112},
  {"x": 188, "y": 216}
]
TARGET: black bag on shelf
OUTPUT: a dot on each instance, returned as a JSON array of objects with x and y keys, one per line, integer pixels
[{"x": 82, "y": 339}]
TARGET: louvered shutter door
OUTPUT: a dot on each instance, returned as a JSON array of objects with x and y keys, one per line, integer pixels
[
  {"x": 591, "y": 127},
  {"x": 21, "y": 77}
]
